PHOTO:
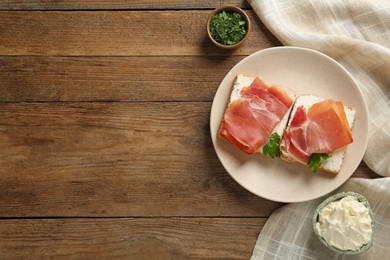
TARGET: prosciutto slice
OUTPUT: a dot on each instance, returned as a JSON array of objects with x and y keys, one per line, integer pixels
[
  {"x": 249, "y": 121},
  {"x": 323, "y": 128}
]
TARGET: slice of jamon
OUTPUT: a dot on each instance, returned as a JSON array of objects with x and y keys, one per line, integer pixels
[
  {"x": 248, "y": 122},
  {"x": 241, "y": 127},
  {"x": 277, "y": 99},
  {"x": 323, "y": 129},
  {"x": 330, "y": 129}
]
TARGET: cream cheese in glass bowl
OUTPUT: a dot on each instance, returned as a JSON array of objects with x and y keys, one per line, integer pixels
[{"x": 344, "y": 223}]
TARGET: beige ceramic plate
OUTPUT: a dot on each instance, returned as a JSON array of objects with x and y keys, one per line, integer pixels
[{"x": 307, "y": 72}]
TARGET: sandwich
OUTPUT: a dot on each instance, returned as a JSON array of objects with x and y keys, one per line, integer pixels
[
  {"x": 317, "y": 133},
  {"x": 256, "y": 115},
  {"x": 266, "y": 119}
]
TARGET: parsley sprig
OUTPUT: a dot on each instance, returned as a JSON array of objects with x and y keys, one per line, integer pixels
[
  {"x": 316, "y": 160},
  {"x": 272, "y": 147},
  {"x": 227, "y": 28}
]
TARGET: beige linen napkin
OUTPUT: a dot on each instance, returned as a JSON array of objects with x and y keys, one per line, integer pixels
[
  {"x": 356, "y": 33},
  {"x": 288, "y": 233}
]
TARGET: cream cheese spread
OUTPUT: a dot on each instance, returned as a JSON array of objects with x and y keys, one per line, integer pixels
[{"x": 345, "y": 224}]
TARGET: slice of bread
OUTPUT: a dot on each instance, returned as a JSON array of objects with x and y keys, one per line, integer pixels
[
  {"x": 241, "y": 81},
  {"x": 334, "y": 162}
]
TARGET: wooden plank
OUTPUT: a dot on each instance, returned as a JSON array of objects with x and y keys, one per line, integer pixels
[
  {"x": 156, "y": 78},
  {"x": 115, "y": 4},
  {"x": 122, "y": 33},
  {"x": 150, "y": 238},
  {"x": 115, "y": 159},
  {"x": 363, "y": 171}
]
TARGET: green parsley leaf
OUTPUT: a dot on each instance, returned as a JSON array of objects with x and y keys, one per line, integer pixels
[
  {"x": 271, "y": 148},
  {"x": 228, "y": 28},
  {"x": 316, "y": 160}
]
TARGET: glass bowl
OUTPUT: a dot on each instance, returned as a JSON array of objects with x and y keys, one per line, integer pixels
[{"x": 337, "y": 197}]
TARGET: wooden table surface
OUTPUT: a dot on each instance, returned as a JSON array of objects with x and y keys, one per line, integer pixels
[{"x": 104, "y": 133}]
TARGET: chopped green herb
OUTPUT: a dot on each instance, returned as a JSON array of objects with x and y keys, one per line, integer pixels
[
  {"x": 316, "y": 160},
  {"x": 271, "y": 148},
  {"x": 228, "y": 28}
]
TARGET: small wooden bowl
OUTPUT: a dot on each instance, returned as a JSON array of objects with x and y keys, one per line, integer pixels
[{"x": 230, "y": 8}]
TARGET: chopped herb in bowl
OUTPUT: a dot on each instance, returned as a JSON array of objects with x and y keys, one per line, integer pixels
[{"x": 228, "y": 26}]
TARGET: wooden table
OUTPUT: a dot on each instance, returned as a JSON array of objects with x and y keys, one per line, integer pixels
[{"x": 104, "y": 133}]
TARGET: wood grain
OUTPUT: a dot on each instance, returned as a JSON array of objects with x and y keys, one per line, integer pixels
[
  {"x": 155, "y": 78},
  {"x": 122, "y": 33},
  {"x": 104, "y": 133},
  {"x": 172, "y": 238},
  {"x": 115, "y": 159},
  {"x": 115, "y": 4}
]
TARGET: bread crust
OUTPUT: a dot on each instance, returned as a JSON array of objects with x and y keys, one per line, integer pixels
[
  {"x": 300, "y": 163},
  {"x": 228, "y": 103}
]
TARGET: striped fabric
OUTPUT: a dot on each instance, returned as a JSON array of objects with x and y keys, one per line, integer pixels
[
  {"x": 288, "y": 233},
  {"x": 356, "y": 33}
]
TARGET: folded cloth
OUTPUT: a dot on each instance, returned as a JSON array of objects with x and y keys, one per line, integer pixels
[
  {"x": 288, "y": 234},
  {"x": 356, "y": 33}
]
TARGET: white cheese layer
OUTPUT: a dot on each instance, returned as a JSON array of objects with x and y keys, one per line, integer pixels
[
  {"x": 334, "y": 162},
  {"x": 240, "y": 83},
  {"x": 345, "y": 224}
]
